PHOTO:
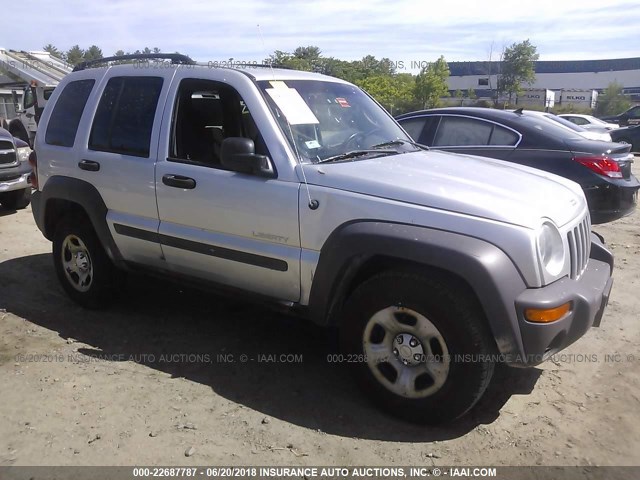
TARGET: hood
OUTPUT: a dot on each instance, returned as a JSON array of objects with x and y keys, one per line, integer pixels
[
  {"x": 5, "y": 135},
  {"x": 465, "y": 184}
]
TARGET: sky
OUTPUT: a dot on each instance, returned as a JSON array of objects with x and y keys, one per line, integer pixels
[{"x": 402, "y": 30}]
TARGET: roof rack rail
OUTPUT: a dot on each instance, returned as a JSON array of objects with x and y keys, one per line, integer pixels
[
  {"x": 248, "y": 64},
  {"x": 176, "y": 58}
]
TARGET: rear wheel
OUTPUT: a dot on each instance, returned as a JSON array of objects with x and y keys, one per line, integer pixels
[
  {"x": 16, "y": 199},
  {"x": 82, "y": 266},
  {"x": 628, "y": 141},
  {"x": 418, "y": 345}
]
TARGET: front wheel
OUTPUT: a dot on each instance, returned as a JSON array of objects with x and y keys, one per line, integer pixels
[
  {"x": 423, "y": 342},
  {"x": 16, "y": 199},
  {"x": 82, "y": 266}
]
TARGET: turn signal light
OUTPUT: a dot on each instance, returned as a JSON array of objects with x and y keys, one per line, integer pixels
[{"x": 547, "y": 315}]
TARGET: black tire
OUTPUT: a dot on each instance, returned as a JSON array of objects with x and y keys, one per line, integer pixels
[
  {"x": 628, "y": 141},
  {"x": 16, "y": 199},
  {"x": 98, "y": 289},
  {"x": 459, "y": 321}
]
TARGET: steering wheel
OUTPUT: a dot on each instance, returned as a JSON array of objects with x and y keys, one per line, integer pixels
[{"x": 359, "y": 137}]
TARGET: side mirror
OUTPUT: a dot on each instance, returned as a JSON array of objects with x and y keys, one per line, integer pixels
[
  {"x": 16, "y": 103},
  {"x": 238, "y": 155}
]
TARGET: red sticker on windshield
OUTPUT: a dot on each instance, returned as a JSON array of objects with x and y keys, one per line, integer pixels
[{"x": 343, "y": 102}]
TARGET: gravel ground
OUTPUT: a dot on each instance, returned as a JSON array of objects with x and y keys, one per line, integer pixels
[{"x": 152, "y": 381}]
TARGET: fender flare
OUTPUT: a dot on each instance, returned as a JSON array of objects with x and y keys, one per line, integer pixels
[
  {"x": 88, "y": 198},
  {"x": 487, "y": 270}
]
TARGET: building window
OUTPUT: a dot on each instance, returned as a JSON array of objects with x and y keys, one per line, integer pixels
[{"x": 483, "y": 82}]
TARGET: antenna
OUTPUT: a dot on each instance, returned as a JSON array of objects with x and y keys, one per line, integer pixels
[
  {"x": 313, "y": 204},
  {"x": 264, "y": 48}
]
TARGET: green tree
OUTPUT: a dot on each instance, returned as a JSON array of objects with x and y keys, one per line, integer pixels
[
  {"x": 119, "y": 53},
  {"x": 431, "y": 83},
  {"x": 471, "y": 94},
  {"x": 459, "y": 96},
  {"x": 517, "y": 68},
  {"x": 611, "y": 101},
  {"x": 339, "y": 68},
  {"x": 92, "y": 53},
  {"x": 53, "y": 50},
  {"x": 74, "y": 55},
  {"x": 393, "y": 92},
  {"x": 407, "y": 101}
]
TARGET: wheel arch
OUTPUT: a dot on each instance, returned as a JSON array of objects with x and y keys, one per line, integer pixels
[
  {"x": 63, "y": 196},
  {"x": 358, "y": 250}
]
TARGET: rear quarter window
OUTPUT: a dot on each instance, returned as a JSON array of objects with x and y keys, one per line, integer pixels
[
  {"x": 124, "y": 119},
  {"x": 65, "y": 118}
]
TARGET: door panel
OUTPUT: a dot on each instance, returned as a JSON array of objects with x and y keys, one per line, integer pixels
[
  {"x": 118, "y": 158},
  {"x": 231, "y": 228}
]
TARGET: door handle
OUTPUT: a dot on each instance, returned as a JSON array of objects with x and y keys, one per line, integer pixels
[
  {"x": 89, "y": 165},
  {"x": 179, "y": 181}
]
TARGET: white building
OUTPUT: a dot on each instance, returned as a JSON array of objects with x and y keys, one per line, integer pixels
[{"x": 553, "y": 75}]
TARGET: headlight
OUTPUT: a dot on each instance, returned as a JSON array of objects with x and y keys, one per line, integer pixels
[
  {"x": 550, "y": 248},
  {"x": 23, "y": 153}
]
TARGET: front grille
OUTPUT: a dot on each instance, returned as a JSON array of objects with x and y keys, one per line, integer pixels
[
  {"x": 580, "y": 246},
  {"x": 7, "y": 153}
]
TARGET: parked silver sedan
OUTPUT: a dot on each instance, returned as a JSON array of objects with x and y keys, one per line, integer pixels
[{"x": 589, "y": 121}]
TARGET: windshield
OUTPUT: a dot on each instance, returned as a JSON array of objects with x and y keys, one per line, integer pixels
[{"x": 323, "y": 120}]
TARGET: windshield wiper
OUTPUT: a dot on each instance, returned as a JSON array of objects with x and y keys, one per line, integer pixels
[
  {"x": 401, "y": 142},
  {"x": 354, "y": 154}
]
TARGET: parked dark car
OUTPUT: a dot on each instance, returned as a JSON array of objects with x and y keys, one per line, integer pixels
[
  {"x": 603, "y": 169},
  {"x": 628, "y": 117},
  {"x": 630, "y": 135},
  {"x": 15, "y": 188}
]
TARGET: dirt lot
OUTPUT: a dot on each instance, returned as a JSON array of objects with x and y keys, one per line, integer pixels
[{"x": 119, "y": 388}]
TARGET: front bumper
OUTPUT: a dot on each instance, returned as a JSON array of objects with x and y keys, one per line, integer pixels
[
  {"x": 15, "y": 179},
  {"x": 588, "y": 295},
  {"x": 19, "y": 183}
]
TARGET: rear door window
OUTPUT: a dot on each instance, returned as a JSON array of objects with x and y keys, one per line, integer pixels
[
  {"x": 124, "y": 119},
  {"x": 471, "y": 132},
  {"x": 65, "y": 118},
  {"x": 462, "y": 131}
]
